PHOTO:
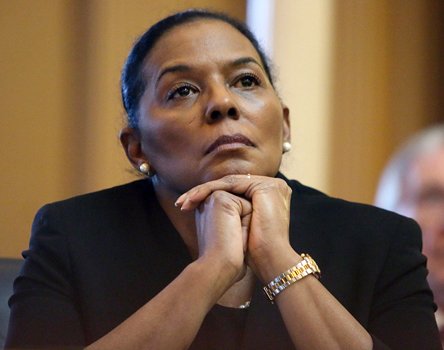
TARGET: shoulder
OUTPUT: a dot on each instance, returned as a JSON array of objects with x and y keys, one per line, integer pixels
[
  {"x": 344, "y": 220},
  {"x": 113, "y": 194},
  {"x": 320, "y": 203},
  {"x": 120, "y": 201}
]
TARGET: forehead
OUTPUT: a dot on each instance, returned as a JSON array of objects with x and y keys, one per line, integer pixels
[
  {"x": 200, "y": 41},
  {"x": 430, "y": 167}
]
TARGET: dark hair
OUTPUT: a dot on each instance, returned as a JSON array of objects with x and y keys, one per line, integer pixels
[{"x": 132, "y": 82}]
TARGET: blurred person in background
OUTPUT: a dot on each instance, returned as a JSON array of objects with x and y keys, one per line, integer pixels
[{"x": 413, "y": 185}]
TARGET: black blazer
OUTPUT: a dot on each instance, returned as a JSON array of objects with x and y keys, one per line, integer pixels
[{"x": 95, "y": 259}]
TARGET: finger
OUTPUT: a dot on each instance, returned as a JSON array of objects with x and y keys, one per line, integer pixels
[
  {"x": 245, "y": 185},
  {"x": 223, "y": 215},
  {"x": 228, "y": 202},
  {"x": 236, "y": 184}
]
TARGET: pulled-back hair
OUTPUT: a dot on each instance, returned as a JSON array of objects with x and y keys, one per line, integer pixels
[{"x": 133, "y": 83}]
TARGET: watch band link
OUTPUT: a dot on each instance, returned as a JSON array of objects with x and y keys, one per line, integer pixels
[{"x": 302, "y": 269}]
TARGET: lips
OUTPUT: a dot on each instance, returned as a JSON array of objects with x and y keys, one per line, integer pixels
[{"x": 229, "y": 139}]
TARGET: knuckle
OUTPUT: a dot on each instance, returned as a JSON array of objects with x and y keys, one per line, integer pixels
[
  {"x": 225, "y": 200},
  {"x": 219, "y": 195},
  {"x": 229, "y": 179},
  {"x": 280, "y": 183},
  {"x": 282, "y": 186}
]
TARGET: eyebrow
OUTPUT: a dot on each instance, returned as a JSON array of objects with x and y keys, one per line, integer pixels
[
  {"x": 184, "y": 68},
  {"x": 173, "y": 69},
  {"x": 245, "y": 60}
]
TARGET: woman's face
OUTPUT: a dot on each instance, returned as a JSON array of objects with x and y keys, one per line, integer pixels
[{"x": 208, "y": 109}]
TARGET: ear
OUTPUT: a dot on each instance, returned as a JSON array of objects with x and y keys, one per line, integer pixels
[
  {"x": 131, "y": 143},
  {"x": 286, "y": 130}
]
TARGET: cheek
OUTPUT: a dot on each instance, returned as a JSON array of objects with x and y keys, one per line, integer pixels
[
  {"x": 259, "y": 103},
  {"x": 163, "y": 139},
  {"x": 266, "y": 114},
  {"x": 428, "y": 241}
]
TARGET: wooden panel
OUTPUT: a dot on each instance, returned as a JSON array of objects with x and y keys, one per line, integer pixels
[
  {"x": 359, "y": 130},
  {"x": 34, "y": 95},
  {"x": 388, "y": 83}
]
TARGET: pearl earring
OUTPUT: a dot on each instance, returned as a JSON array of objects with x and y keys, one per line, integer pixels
[
  {"x": 286, "y": 147},
  {"x": 144, "y": 168}
]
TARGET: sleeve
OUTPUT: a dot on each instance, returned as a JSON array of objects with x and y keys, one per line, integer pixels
[
  {"x": 43, "y": 306},
  {"x": 402, "y": 314}
]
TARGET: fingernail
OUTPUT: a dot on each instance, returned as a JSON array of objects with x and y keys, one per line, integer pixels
[
  {"x": 179, "y": 200},
  {"x": 184, "y": 205}
]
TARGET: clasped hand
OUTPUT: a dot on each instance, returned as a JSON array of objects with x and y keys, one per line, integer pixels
[{"x": 241, "y": 219}]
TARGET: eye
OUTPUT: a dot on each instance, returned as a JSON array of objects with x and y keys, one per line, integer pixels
[
  {"x": 247, "y": 80},
  {"x": 182, "y": 91},
  {"x": 431, "y": 196}
]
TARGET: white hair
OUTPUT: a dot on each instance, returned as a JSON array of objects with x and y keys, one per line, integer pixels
[{"x": 390, "y": 188}]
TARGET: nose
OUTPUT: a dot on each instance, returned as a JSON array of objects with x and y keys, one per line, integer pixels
[{"x": 220, "y": 104}]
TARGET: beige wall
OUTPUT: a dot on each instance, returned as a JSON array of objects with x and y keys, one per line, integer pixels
[
  {"x": 302, "y": 54},
  {"x": 388, "y": 82},
  {"x": 61, "y": 113}
]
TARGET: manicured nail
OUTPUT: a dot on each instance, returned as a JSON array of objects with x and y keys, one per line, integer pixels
[
  {"x": 180, "y": 200},
  {"x": 183, "y": 206}
]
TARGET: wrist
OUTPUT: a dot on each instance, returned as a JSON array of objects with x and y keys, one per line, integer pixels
[
  {"x": 204, "y": 281},
  {"x": 274, "y": 261},
  {"x": 300, "y": 270},
  {"x": 221, "y": 271}
]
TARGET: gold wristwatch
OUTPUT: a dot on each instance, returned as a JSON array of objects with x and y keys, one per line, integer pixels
[{"x": 302, "y": 269}]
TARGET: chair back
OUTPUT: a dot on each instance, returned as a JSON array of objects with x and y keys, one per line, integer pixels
[{"x": 9, "y": 270}]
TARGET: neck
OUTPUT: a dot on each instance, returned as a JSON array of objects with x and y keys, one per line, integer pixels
[{"x": 182, "y": 221}]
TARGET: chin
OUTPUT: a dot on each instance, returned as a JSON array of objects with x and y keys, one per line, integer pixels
[{"x": 240, "y": 163}]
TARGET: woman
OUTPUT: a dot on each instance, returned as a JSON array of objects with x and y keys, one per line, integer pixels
[{"x": 178, "y": 260}]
